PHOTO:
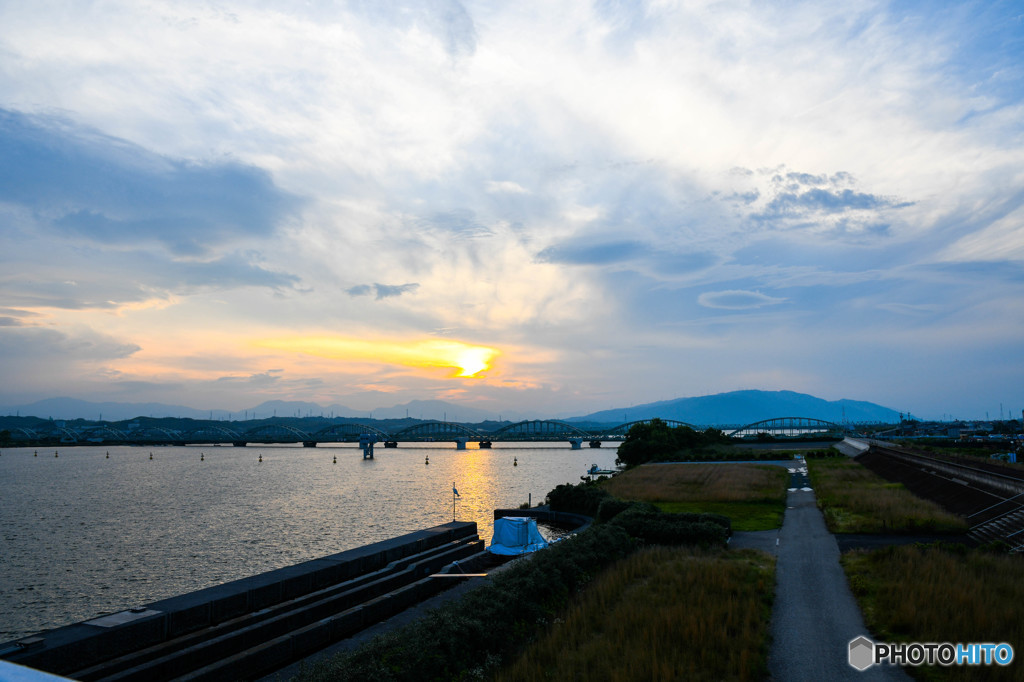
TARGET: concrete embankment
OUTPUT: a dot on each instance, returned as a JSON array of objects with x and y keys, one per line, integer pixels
[{"x": 253, "y": 626}]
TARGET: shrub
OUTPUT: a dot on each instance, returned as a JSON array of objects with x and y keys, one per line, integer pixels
[
  {"x": 611, "y": 507},
  {"x": 656, "y": 440},
  {"x": 644, "y": 522},
  {"x": 477, "y": 633},
  {"x": 582, "y": 498}
]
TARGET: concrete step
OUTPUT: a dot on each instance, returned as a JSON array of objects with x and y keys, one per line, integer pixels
[
  {"x": 281, "y": 621},
  {"x": 112, "y": 642}
]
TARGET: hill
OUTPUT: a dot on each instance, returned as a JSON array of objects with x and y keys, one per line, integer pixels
[{"x": 747, "y": 407}]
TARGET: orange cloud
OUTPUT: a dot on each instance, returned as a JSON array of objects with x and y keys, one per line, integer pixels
[{"x": 466, "y": 360}]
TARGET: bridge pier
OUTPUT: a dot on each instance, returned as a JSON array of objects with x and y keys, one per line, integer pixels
[
  {"x": 595, "y": 443},
  {"x": 577, "y": 443},
  {"x": 366, "y": 442},
  {"x": 309, "y": 443},
  {"x": 460, "y": 443},
  {"x": 485, "y": 445},
  {"x": 239, "y": 443},
  {"x": 391, "y": 443}
]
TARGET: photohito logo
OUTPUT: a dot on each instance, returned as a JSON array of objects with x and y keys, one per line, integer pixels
[{"x": 864, "y": 653}]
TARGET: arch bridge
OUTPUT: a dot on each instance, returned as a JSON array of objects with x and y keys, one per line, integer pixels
[
  {"x": 619, "y": 432},
  {"x": 540, "y": 429},
  {"x": 789, "y": 427},
  {"x": 428, "y": 431}
]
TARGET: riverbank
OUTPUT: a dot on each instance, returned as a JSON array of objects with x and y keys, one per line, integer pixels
[{"x": 255, "y": 625}]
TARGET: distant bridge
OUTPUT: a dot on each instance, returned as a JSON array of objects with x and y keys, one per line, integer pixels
[
  {"x": 534, "y": 430},
  {"x": 790, "y": 427}
]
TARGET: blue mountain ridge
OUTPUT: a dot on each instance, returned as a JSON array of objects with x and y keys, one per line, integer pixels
[
  {"x": 736, "y": 408},
  {"x": 746, "y": 407}
]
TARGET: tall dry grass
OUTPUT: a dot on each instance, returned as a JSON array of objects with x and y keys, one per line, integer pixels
[
  {"x": 753, "y": 496},
  {"x": 942, "y": 594},
  {"x": 857, "y": 500},
  {"x": 700, "y": 483},
  {"x": 662, "y": 614}
]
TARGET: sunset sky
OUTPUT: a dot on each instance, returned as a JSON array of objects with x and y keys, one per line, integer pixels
[{"x": 543, "y": 208}]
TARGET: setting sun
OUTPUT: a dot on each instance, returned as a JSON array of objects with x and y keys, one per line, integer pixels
[{"x": 467, "y": 360}]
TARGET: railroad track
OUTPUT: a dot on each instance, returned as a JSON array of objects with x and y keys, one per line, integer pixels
[{"x": 989, "y": 496}]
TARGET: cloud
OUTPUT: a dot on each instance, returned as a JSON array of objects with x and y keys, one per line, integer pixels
[
  {"x": 586, "y": 252},
  {"x": 382, "y": 290},
  {"x": 80, "y": 344},
  {"x": 260, "y": 380},
  {"x": 505, "y": 187},
  {"x": 608, "y": 183},
  {"x": 737, "y": 300},
  {"x": 461, "y": 223},
  {"x": 659, "y": 263},
  {"x": 108, "y": 191}
]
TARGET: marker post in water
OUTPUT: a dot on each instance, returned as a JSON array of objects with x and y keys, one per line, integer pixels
[{"x": 455, "y": 493}]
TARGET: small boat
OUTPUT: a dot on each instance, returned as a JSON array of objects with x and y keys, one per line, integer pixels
[
  {"x": 594, "y": 470},
  {"x": 516, "y": 535}
]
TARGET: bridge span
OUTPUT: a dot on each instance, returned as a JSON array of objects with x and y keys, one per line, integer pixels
[{"x": 535, "y": 430}]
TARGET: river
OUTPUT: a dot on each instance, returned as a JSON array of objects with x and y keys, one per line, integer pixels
[{"x": 84, "y": 534}]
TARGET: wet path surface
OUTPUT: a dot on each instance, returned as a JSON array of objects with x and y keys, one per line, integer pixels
[{"x": 815, "y": 615}]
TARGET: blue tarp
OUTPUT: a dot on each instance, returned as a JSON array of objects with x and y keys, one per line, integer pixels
[{"x": 514, "y": 535}]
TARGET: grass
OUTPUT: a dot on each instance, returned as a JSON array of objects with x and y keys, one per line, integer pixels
[
  {"x": 662, "y": 614},
  {"x": 753, "y": 496},
  {"x": 931, "y": 593},
  {"x": 856, "y": 500}
]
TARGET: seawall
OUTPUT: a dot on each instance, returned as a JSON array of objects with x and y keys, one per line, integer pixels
[{"x": 253, "y": 625}]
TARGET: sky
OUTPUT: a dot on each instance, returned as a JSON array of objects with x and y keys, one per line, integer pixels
[{"x": 539, "y": 208}]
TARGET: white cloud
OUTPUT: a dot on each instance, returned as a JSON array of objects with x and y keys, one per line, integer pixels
[{"x": 735, "y": 299}]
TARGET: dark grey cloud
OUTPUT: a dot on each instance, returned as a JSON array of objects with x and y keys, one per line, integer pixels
[
  {"x": 635, "y": 254},
  {"x": 382, "y": 290},
  {"x": 820, "y": 201},
  {"x": 41, "y": 342},
  {"x": 130, "y": 276},
  {"x": 586, "y": 252},
  {"x": 10, "y": 322},
  {"x": 260, "y": 379},
  {"x": 93, "y": 186},
  {"x": 825, "y": 201}
]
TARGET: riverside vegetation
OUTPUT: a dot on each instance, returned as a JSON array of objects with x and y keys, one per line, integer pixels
[
  {"x": 955, "y": 595},
  {"x": 664, "y": 613},
  {"x": 677, "y": 593},
  {"x": 856, "y": 500}
]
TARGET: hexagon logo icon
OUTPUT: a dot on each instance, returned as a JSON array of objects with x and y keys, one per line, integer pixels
[{"x": 862, "y": 653}]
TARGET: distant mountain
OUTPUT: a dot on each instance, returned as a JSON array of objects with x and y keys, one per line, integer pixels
[
  {"x": 737, "y": 407},
  {"x": 72, "y": 408},
  {"x": 297, "y": 408},
  {"x": 437, "y": 410},
  {"x": 747, "y": 407}
]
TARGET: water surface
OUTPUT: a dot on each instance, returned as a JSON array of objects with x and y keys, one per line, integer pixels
[{"x": 82, "y": 535}]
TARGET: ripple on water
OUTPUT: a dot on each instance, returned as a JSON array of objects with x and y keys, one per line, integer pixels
[{"x": 85, "y": 535}]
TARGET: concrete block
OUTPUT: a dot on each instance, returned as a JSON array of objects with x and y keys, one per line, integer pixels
[{"x": 311, "y": 638}]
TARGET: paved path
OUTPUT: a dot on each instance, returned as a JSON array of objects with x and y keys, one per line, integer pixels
[{"x": 815, "y": 615}]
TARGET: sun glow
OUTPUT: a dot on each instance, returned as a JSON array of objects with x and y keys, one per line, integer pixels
[{"x": 467, "y": 360}]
